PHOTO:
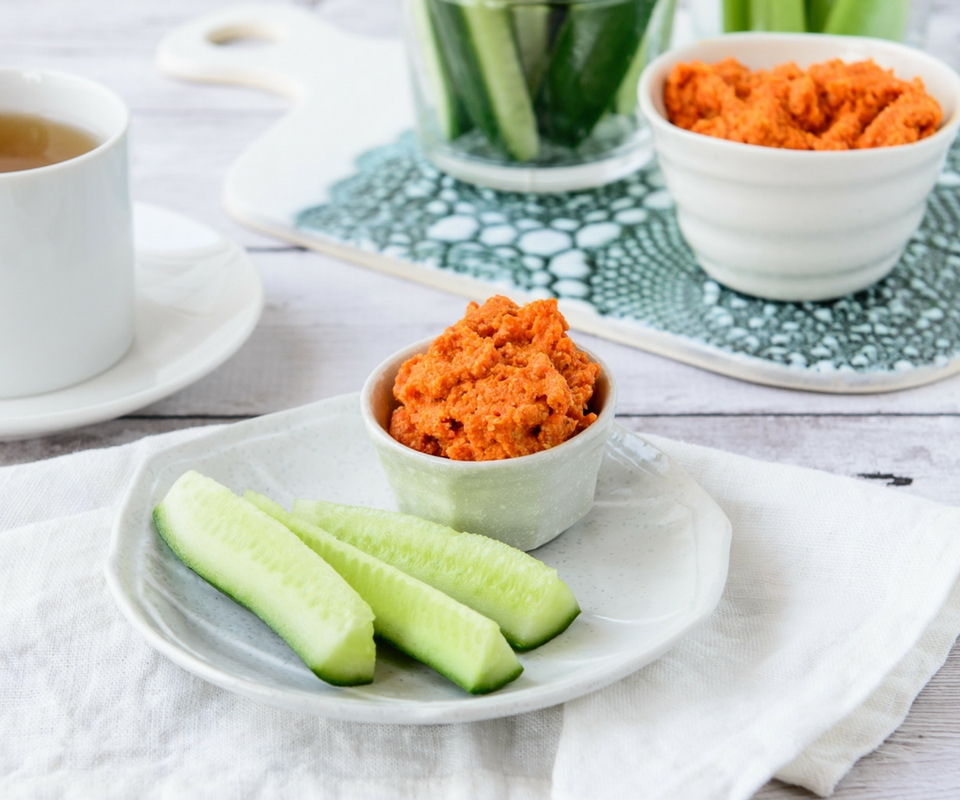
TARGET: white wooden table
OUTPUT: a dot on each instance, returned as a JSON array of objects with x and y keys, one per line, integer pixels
[{"x": 327, "y": 323}]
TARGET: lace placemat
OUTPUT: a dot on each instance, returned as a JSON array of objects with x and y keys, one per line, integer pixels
[{"x": 616, "y": 255}]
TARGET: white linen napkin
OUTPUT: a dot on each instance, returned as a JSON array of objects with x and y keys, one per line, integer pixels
[
  {"x": 841, "y": 603},
  {"x": 839, "y": 607}
]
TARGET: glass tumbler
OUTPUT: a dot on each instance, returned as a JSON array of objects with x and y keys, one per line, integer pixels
[{"x": 533, "y": 95}]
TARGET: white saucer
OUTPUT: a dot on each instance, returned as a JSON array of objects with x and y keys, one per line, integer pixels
[
  {"x": 647, "y": 564},
  {"x": 199, "y": 296}
]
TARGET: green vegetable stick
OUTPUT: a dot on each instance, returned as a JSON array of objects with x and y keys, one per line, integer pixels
[
  {"x": 451, "y": 118},
  {"x": 884, "y": 19},
  {"x": 479, "y": 49},
  {"x": 781, "y": 16},
  {"x": 736, "y": 15},
  {"x": 817, "y": 13},
  {"x": 524, "y": 596},
  {"x": 414, "y": 617},
  {"x": 262, "y": 565},
  {"x": 593, "y": 52},
  {"x": 531, "y": 29},
  {"x": 626, "y": 100},
  {"x": 656, "y": 40}
]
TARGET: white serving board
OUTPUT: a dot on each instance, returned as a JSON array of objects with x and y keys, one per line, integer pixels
[{"x": 616, "y": 261}]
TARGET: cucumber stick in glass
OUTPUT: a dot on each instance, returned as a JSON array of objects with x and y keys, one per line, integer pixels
[
  {"x": 531, "y": 30},
  {"x": 594, "y": 49},
  {"x": 423, "y": 622},
  {"x": 451, "y": 117},
  {"x": 522, "y": 595},
  {"x": 656, "y": 40},
  {"x": 258, "y": 562},
  {"x": 478, "y": 47}
]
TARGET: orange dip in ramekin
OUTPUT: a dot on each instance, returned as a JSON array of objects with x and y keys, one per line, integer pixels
[{"x": 504, "y": 381}]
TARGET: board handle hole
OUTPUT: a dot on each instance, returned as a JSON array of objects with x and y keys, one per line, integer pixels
[{"x": 252, "y": 34}]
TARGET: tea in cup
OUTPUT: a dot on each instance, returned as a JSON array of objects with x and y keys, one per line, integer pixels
[
  {"x": 28, "y": 141},
  {"x": 66, "y": 237}
]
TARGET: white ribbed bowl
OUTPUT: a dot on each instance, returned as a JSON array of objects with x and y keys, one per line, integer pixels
[{"x": 798, "y": 225}]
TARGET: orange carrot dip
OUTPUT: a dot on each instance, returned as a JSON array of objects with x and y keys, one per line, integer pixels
[
  {"x": 831, "y": 106},
  {"x": 504, "y": 381}
]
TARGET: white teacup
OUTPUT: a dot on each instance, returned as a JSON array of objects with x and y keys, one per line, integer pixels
[{"x": 66, "y": 241}]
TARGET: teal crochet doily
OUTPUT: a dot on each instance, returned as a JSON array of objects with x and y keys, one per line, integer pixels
[{"x": 618, "y": 253}]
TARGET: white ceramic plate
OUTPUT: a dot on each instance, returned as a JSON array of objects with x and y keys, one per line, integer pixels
[
  {"x": 647, "y": 564},
  {"x": 199, "y": 296}
]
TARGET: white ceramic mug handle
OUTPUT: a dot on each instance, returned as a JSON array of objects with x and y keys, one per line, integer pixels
[{"x": 286, "y": 62}]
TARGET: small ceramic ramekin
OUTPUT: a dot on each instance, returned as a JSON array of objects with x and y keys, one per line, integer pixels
[
  {"x": 798, "y": 225},
  {"x": 524, "y": 501}
]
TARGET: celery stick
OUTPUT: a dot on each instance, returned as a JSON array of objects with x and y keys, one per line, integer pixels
[
  {"x": 782, "y": 16},
  {"x": 736, "y": 15},
  {"x": 817, "y": 13},
  {"x": 884, "y": 19}
]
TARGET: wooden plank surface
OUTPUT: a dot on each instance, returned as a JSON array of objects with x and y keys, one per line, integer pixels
[{"x": 326, "y": 324}]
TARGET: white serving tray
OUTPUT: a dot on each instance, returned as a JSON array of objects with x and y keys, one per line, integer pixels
[{"x": 340, "y": 174}]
